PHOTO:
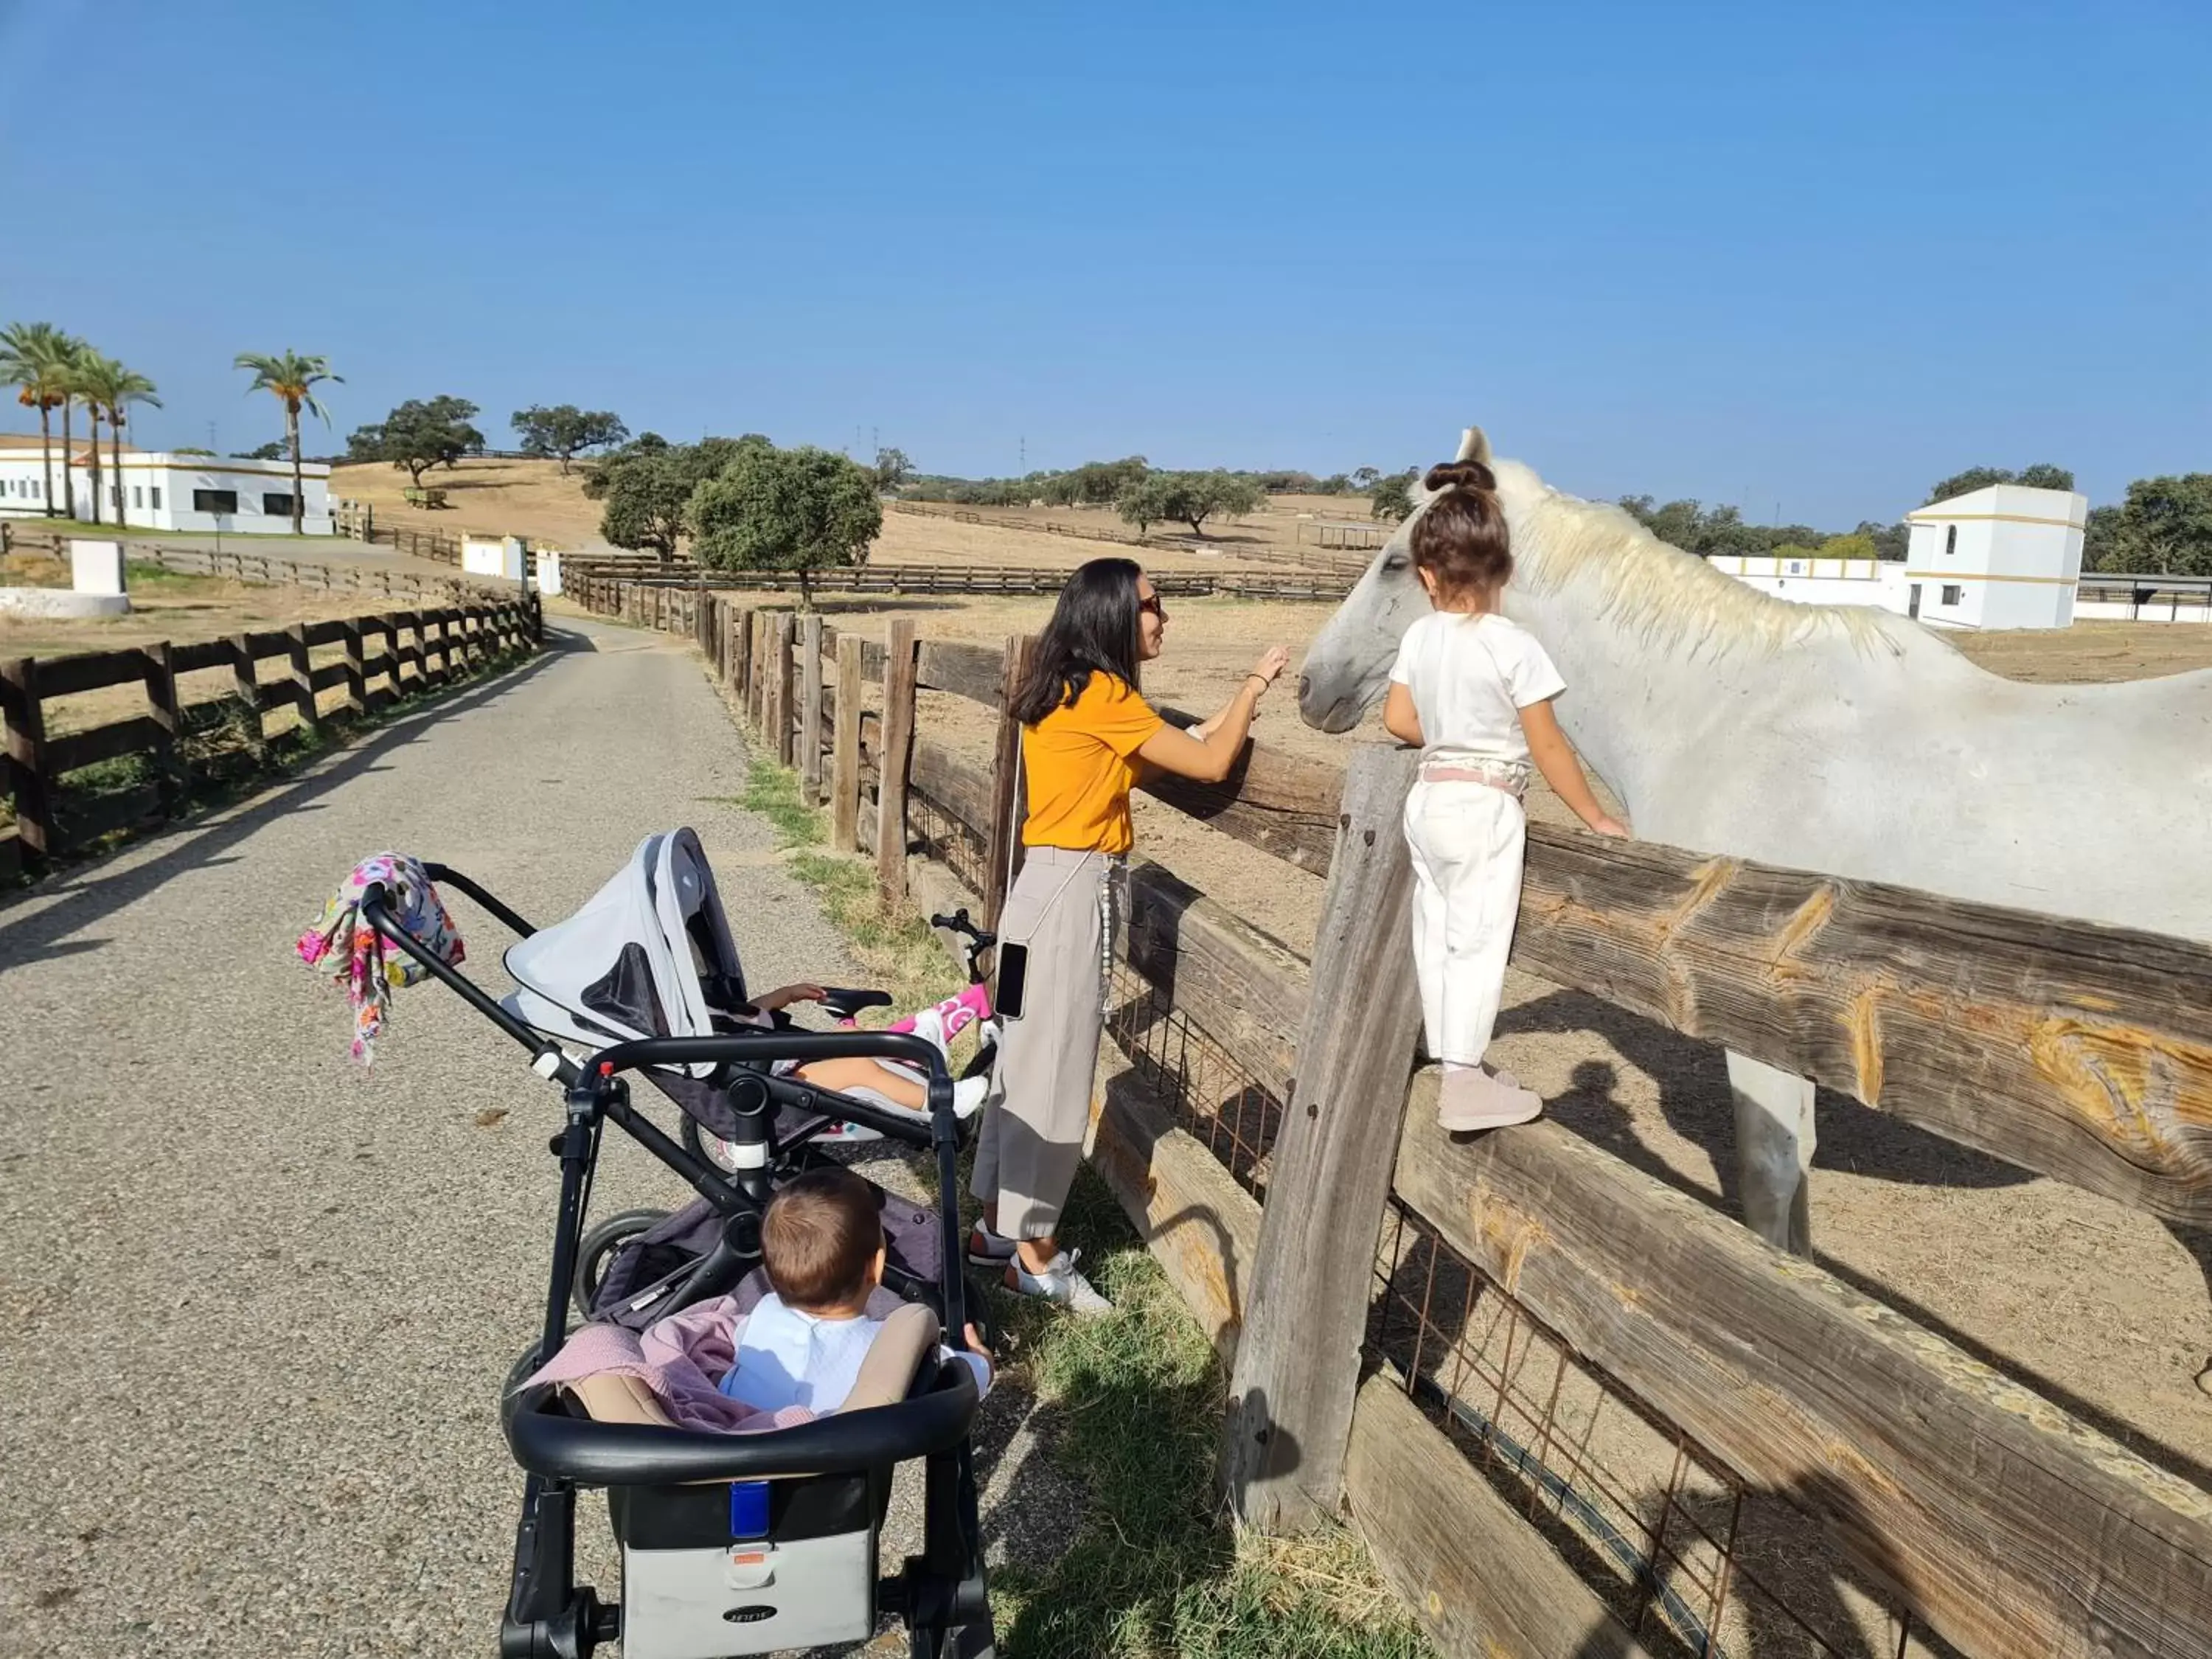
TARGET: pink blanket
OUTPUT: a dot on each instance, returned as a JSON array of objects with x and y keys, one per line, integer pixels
[{"x": 679, "y": 1360}]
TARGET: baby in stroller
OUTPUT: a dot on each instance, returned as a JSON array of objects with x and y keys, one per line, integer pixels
[
  {"x": 822, "y": 1246},
  {"x": 732, "y": 1543}
]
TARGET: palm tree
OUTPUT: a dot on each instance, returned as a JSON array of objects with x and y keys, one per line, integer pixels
[
  {"x": 34, "y": 357},
  {"x": 108, "y": 390},
  {"x": 292, "y": 377},
  {"x": 78, "y": 358}
]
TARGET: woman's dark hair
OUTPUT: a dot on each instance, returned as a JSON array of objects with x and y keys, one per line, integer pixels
[
  {"x": 1460, "y": 537},
  {"x": 1093, "y": 630}
]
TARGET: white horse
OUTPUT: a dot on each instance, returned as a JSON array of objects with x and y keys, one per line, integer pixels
[{"x": 1836, "y": 738}]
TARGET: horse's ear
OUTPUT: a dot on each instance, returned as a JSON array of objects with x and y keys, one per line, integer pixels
[{"x": 1474, "y": 446}]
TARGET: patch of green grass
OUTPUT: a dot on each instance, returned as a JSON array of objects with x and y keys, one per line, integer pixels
[
  {"x": 107, "y": 777},
  {"x": 772, "y": 790},
  {"x": 143, "y": 574},
  {"x": 1131, "y": 1404}
]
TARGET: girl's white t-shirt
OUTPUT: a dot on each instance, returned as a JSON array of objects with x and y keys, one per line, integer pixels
[{"x": 1470, "y": 676}]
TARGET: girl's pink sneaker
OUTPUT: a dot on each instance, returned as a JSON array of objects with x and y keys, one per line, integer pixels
[{"x": 1471, "y": 1099}]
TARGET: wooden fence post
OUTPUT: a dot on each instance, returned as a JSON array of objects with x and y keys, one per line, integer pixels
[
  {"x": 780, "y": 688},
  {"x": 756, "y": 669},
  {"x": 161, "y": 708},
  {"x": 356, "y": 674},
  {"x": 303, "y": 682},
  {"x": 26, "y": 722},
  {"x": 1005, "y": 838},
  {"x": 1297, "y": 1360},
  {"x": 810, "y": 707},
  {"x": 245, "y": 686},
  {"x": 845, "y": 749},
  {"x": 901, "y": 661}
]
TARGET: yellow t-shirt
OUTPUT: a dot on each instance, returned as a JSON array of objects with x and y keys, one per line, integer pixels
[{"x": 1077, "y": 760}]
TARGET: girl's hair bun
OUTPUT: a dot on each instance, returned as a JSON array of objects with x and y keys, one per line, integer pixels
[{"x": 1459, "y": 475}]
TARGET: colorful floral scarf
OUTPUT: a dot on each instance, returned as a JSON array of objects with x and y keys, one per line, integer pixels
[{"x": 343, "y": 937}]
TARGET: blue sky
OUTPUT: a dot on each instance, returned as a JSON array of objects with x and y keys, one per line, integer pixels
[{"x": 1797, "y": 257}]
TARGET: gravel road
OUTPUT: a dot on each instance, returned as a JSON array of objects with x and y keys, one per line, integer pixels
[{"x": 258, "y": 1304}]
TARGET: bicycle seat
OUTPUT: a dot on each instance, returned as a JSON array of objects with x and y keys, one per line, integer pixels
[{"x": 844, "y": 1004}]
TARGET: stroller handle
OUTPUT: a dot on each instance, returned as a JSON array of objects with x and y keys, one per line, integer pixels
[{"x": 595, "y": 1454}]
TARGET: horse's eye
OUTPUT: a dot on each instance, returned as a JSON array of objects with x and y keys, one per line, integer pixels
[{"x": 1395, "y": 562}]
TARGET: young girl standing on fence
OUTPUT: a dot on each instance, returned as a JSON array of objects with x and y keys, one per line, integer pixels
[
  {"x": 1473, "y": 690},
  {"x": 1086, "y": 728}
]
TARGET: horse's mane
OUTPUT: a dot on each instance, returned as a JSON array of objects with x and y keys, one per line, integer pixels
[{"x": 1667, "y": 599}]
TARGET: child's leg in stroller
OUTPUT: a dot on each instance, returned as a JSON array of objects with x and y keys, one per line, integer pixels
[{"x": 849, "y": 1074}]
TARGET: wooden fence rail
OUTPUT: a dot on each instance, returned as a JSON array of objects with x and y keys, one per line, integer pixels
[
  {"x": 264, "y": 569},
  {"x": 1986, "y": 1514},
  {"x": 904, "y": 579},
  {"x": 52, "y": 816}
]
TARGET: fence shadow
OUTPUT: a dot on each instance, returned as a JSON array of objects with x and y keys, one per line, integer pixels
[{"x": 1693, "y": 1097}]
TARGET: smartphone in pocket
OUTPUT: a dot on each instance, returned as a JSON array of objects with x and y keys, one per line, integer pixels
[{"x": 1013, "y": 981}]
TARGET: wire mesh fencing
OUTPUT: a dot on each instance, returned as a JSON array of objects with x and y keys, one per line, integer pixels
[
  {"x": 1694, "y": 1561},
  {"x": 1207, "y": 1088}
]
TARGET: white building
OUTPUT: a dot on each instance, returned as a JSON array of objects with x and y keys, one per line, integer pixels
[
  {"x": 1810, "y": 579},
  {"x": 2000, "y": 557},
  {"x": 155, "y": 489}
]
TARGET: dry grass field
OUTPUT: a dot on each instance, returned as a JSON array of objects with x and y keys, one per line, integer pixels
[
  {"x": 166, "y": 606},
  {"x": 532, "y": 499}
]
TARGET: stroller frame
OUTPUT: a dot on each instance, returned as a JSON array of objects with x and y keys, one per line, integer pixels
[{"x": 844, "y": 1461}]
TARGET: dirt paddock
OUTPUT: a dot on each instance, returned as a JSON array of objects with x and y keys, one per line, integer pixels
[{"x": 2098, "y": 1307}]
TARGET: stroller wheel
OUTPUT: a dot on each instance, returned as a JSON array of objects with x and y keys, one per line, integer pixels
[
  {"x": 973, "y": 1640},
  {"x": 596, "y": 1247},
  {"x": 710, "y": 1150}
]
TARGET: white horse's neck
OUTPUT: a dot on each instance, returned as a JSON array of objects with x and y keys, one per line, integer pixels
[{"x": 1662, "y": 655}]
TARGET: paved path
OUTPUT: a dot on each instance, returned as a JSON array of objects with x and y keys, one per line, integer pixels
[{"x": 255, "y": 1306}]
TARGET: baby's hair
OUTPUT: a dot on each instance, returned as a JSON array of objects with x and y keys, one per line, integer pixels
[
  {"x": 819, "y": 1239},
  {"x": 1461, "y": 537}
]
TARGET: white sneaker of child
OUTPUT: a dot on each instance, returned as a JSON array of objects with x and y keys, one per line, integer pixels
[{"x": 968, "y": 1097}]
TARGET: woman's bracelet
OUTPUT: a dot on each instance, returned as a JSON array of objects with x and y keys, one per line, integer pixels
[{"x": 1262, "y": 678}]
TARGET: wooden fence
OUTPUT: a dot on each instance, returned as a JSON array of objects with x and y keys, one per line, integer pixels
[
  {"x": 244, "y": 565},
  {"x": 1368, "y": 1278},
  {"x": 433, "y": 545},
  {"x": 384, "y": 658},
  {"x": 973, "y": 581}
]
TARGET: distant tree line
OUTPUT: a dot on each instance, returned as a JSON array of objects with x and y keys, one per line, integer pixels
[{"x": 1132, "y": 487}]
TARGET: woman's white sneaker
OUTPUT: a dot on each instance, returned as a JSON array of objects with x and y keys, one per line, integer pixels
[{"x": 1060, "y": 1283}]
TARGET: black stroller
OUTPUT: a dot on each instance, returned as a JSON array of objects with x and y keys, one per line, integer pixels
[{"x": 731, "y": 1544}]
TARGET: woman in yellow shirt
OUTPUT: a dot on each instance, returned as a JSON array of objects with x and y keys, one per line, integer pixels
[{"x": 1086, "y": 728}]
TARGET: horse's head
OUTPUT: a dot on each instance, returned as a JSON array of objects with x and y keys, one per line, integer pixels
[{"x": 1347, "y": 666}]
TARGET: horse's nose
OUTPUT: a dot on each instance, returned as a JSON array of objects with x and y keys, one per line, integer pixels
[{"x": 1305, "y": 686}]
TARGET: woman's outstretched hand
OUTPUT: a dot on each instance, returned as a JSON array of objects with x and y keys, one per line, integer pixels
[
  {"x": 1606, "y": 826},
  {"x": 1270, "y": 667}
]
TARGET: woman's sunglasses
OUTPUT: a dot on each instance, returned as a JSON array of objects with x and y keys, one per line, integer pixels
[{"x": 1153, "y": 607}]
